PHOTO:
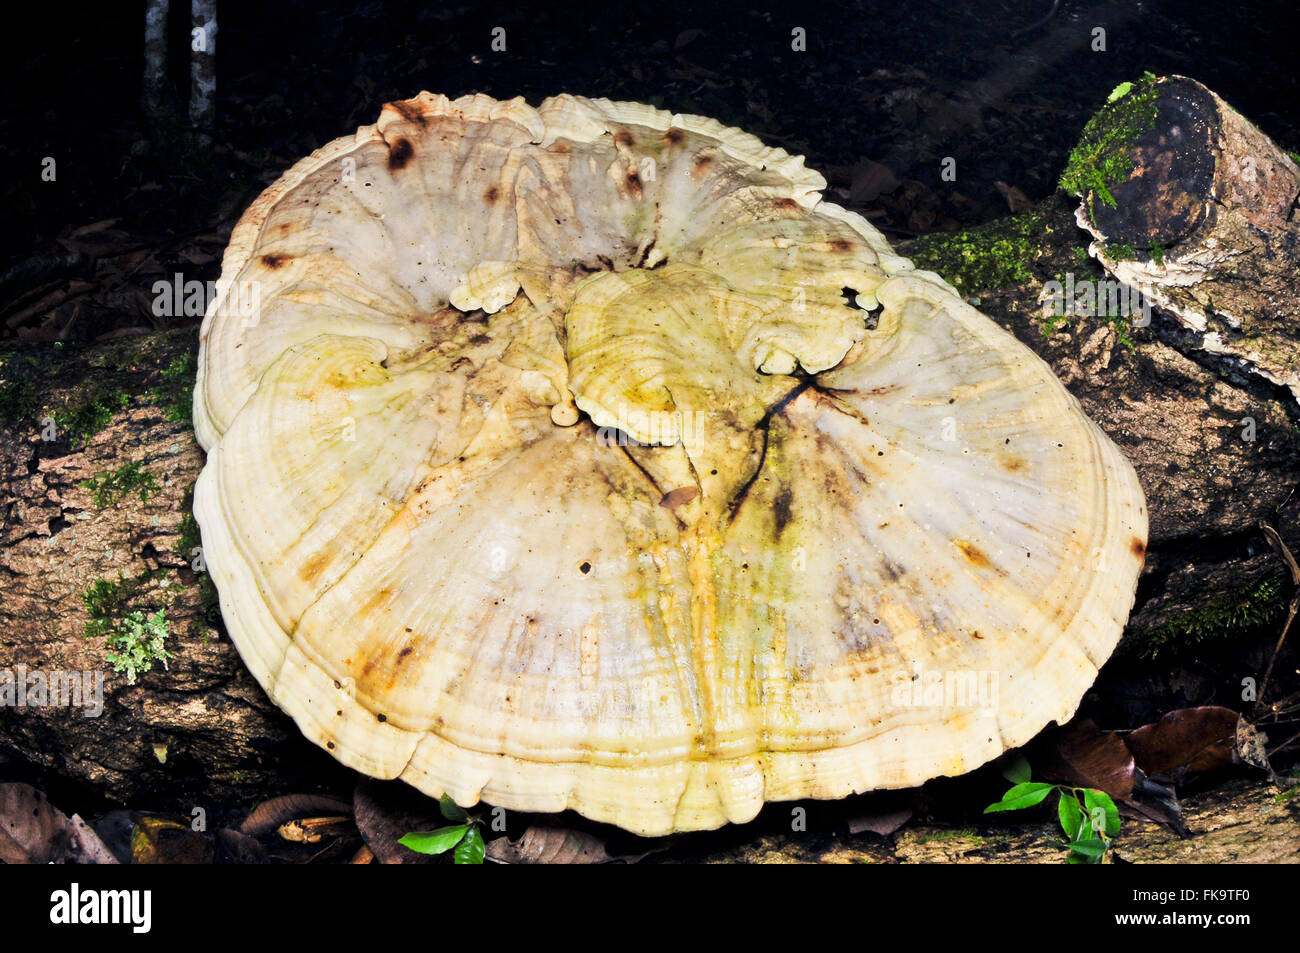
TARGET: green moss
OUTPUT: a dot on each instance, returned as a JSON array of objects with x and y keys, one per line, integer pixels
[
  {"x": 82, "y": 411},
  {"x": 106, "y": 601},
  {"x": 1260, "y": 604},
  {"x": 175, "y": 393},
  {"x": 1121, "y": 251},
  {"x": 102, "y": 601},
  {"x": 134, "y": 638},
  {"x": 110, "y": 488},
  {"x": 89, "y": 412},
  {"x": 991, "y": 256},
  {"x": 966, "y": 833},
  {"x": 1120, "y": 322},
  {"x": 82, "y": 389},
  {"x": 187, "y": 542},
  {"x": 20, "y": 399},
  {"x": 1101, "y": 159},
  {"x": 138, "y": 642},
  {"x": 189, "y": 528},
  {"x": 1286, "y": 795}
]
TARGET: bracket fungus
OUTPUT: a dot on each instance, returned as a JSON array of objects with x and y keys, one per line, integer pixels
[{"x": 583, "y": 457}]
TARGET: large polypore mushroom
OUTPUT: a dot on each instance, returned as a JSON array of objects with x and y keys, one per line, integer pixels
[{"x": 583, "y": 457}]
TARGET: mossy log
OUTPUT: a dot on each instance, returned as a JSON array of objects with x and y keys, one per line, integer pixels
[{"x": 98, "y": 459}]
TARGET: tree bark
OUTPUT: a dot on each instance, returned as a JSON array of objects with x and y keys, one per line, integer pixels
[
  {"x": 155, "y": 63},
  {"x": 203, "y": 65},
  {"x": 201, "y": 729}
]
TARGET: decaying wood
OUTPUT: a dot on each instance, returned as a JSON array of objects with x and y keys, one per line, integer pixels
[
  {"x": 1216, "y": 447},
  {"x": 1242, "y": 822},
  {"x": 1206, "y": 224}
]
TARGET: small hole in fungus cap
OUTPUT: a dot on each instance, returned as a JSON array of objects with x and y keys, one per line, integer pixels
[{"x": 586, "y": 568}]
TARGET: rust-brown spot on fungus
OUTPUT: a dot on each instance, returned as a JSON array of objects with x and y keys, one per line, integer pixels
[
  {"x": 399, "y": 154},
  {"x": 972, "y": 552},
  {"x": 1014, "y": 464},
  {"x": 841, "y": 244},
  {"x": 623, "y": 138},
  {"x": 1138, "y": 547},
  {"x": 274, "y": 260},
  {"x": 560, "y": 147},
  {"x": 375, "y": 604},
  {"x": 674, "y": 136},
  {"x": 702, "y": 163},
  {"x": 787, "y": 205},
  {"x": 411, "y": 112},
  {"x": 634, "y": 185},
  {"x": 404, "y": 653},
  {"x": 680, "y": 496},
  {"x": 781, "y": 507},
  {"x": 313, "y": 566},
  {"x": 491, "y": 195}
]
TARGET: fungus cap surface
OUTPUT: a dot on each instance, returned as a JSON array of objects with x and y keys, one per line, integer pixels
[{"x": 553, "y": 461}]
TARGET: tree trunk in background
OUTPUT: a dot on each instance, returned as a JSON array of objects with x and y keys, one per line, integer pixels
[
  {"x": 203, "y": 65},
  {"x": 1216, "y": 447},
  {"x": 155, "y": 62}
]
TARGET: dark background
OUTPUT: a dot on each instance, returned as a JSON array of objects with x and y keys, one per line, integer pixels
[{"x": 902, "y": 84}]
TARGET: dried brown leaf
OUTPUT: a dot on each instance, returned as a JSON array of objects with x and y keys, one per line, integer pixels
[
  {"x": 1082, "y": 755},
  {"x": 883, "y": 823},
  {"x": 33, "y": 831},
  {"x": 549, "y": 845},
  {"x": 545, "y": 844},
  {"x": 386, "y": 812},
  {"x": 1188, "y": 739}
]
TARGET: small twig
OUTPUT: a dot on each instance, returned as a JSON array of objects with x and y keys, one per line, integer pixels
[
  {"x": 1275, "y": 750},
  {"x": 1275, "y": 540}
]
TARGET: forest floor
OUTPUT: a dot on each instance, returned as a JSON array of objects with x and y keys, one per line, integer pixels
[{"x": 876, "y": 102}]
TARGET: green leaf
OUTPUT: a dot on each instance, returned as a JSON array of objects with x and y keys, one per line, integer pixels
[
  {"x": 1071, "y": 815},
  {"x": 451, "y": 810},
  {"x": 1016, "y": 769},
  {"x": 1088, "y": 848},
  {"x": 434, "y": 842},
  {"x": 1100, "y": 799},
  {"x": 1021, "y": 796},
  {"x": 1123, "y": 89},
  {"x": 471, "y": 849}
]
